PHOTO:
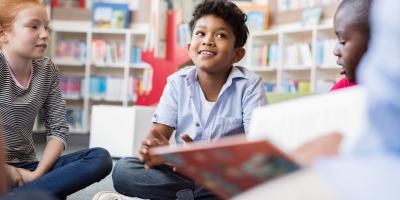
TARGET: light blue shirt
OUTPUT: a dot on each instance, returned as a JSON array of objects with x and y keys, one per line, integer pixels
[
  {"x": 180, "y": 104},
  {"x": 373, "y": 171}
]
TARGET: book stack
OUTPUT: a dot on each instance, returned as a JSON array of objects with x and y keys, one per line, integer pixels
[
  {"x": 265, "y": 55},
  {"x": 70, "y": 50},
  {"x": 108, "y": 51},
  {"x": 298, "y": 54},
  {"x": 71, "y": 87}
]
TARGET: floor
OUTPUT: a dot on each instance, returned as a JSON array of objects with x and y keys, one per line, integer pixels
[{"x": 78, "y": 142}]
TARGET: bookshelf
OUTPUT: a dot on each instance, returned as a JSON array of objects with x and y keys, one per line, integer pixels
[
  {"x": 294, "y": 60},
  {"x": 97, "y": 66}
]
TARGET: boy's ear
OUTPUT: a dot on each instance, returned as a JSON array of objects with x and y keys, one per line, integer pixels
[
  {"x": 239, "y": 54},
  {"x": 188, "y": 46}
]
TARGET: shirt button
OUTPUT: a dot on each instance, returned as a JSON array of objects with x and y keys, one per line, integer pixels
[{"x": 197, "y": 124}]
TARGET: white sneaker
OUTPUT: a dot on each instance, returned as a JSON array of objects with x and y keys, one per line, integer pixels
[{"x": 107, "y": 195}]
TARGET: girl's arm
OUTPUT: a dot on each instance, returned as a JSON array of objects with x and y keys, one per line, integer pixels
[
  {"x": 3, "y": 181},
  {"x": 51, "y": 154},
  {"x": 56, "y": 124}
]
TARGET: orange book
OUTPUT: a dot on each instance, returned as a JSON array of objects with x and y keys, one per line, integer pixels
[{"x": 229, "y": 165}]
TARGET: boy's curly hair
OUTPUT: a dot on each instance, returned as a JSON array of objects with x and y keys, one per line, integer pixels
[{"x": 229, "y": 12}]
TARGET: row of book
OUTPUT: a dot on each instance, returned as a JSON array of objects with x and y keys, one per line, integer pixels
[
  {"x": 104, "y": 87},
  {"x": 296, "y": 86},
  {"x": 285, "y": 5},
  {"x": 298, "y": 54},
  {"x": 108, "y": 51},
  {"x": 265, "y": 55},
  {"x": 70, "y": 50},
  {"x": 301, "y": 86},
  {"x": 75, "y": 118},
  {"x": 102, "y": 51},
  {"x": 324, "y": 52}
]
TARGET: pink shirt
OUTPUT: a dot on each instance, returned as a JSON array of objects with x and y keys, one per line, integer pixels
[{"x": 343, "y": 83}]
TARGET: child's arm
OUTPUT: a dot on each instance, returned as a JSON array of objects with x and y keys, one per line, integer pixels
[
  {"x": 254, "y": 97},
  {"x": 158, "y": 135},
  {"x": 3, "y": 180},
  {"x": 52, "y": 152}
]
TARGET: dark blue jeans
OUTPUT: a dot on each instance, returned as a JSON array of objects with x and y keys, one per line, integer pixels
[
  {"x": 71, "y": 172},
  {"x": 31, "y": 195},
  {"x": 131, "y": 179}
]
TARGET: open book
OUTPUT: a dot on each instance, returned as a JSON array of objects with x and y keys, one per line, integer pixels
[{"x": 228, "y": 166}]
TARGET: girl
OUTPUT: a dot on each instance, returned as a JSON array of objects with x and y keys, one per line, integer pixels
[{"x": 29, "y": 83}]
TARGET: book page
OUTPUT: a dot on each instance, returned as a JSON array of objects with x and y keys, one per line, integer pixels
[{"x": 292, "y": 123}]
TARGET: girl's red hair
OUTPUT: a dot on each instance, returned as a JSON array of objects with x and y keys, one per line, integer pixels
[{"x": 10, "y": 9}]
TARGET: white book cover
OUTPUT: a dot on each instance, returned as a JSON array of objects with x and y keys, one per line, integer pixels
[{"x": 292, "y": 123}]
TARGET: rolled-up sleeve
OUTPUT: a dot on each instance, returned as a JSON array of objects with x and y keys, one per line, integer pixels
[
  {"x": 55, "y": 112},
  {"x": 167, "y": 110},
  {"x": 255, "y": 97}
]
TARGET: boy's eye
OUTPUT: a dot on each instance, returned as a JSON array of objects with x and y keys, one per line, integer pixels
[
  {"x": 199, "y": 33},
  {"x": 342, "y": 42},
  {"x": 221, "y": 35}
]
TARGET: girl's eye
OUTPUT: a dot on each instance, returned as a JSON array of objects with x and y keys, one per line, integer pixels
[
  {"x": 34, "y": 27},
  {"x": 342, "y": 42}
]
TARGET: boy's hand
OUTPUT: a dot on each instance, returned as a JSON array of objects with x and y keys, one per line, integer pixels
[
  {"x": 14, "y": 177},
  {"x": 327, "y": 145},
  {"x": 154, "y": 139}
]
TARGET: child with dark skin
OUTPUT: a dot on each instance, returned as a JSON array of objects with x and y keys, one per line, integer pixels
[
  {"x": 353, "y": 32},
  {"x": 352, "y": 29}
]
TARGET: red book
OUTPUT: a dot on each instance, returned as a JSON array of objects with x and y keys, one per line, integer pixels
[{"x": 228, "y": 166}]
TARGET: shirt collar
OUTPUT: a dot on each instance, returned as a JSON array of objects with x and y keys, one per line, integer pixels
[{"x": 190, "y": 74}]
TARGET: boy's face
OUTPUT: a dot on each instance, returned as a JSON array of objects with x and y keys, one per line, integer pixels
[
  {"x": 352, "y": 42},
  {"x": 212, "y": 46},
  {"x": 29, "y": 34}
]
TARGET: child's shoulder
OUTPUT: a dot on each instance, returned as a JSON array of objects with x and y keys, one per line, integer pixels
[
  {"x": 245, "y": 73},
  {"x": 45, "y": 66},
  {"x": 183, "y": 73}
]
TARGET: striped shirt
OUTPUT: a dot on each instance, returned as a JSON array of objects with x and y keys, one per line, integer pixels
[{"x": 19, "y": 107}]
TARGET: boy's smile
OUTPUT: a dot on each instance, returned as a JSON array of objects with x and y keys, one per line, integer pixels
[{"x": 212, "y": 46}]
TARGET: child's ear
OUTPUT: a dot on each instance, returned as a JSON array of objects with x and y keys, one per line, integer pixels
[
  {"x": 3, "y": 37},
  {"x": 188, "y": 46},
  {"x": 239, "y": 54}
]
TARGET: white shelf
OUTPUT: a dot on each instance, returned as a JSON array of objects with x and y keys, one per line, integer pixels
[
  {"x": 72, "y": 63},
  {"x": 263, "y": 69},
  {"x": 108, "y": 65},
  {"x": 139, "y": 65},
  {"x": 288, "y": 39},
  {"x": 83, "y": 32}
]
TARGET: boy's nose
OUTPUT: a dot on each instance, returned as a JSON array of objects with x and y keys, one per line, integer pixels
[
  {"x": 208, "y": 43},
  {"x": 336, "y": 50}
]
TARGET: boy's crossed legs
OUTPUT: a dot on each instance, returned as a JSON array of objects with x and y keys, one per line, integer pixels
[{"x": 132, "y": 179}]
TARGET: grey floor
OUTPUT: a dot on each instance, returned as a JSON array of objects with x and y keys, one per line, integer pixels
[{"x": 78, "y": 142}]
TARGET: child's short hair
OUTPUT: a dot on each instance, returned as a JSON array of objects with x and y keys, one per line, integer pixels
[
  {"x": 361, "y": 10},
  {"x": 229, "y": 12}
]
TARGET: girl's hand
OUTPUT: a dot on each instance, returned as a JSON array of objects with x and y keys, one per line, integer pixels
[
  {"x": 14, "y": 177},
  {"x": 28, "y": 176}
]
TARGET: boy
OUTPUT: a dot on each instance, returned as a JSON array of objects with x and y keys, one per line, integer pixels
[
  {"x": 210, "y": 100},
  {"x": 353, "y": 32}
]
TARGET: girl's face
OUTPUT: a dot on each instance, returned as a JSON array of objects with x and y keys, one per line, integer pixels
[{"x": 29, "y": 34}]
